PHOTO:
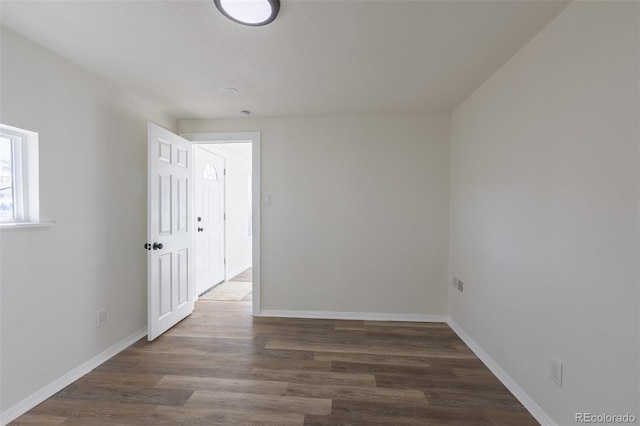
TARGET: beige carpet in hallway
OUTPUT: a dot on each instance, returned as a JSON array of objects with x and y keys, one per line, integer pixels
[
  {"x": 230, "y": 290},
  {"x": 235, "y": 290}
]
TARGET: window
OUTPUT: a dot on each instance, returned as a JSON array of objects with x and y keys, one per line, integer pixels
[
  {"x": 19, "y": 202},
  {"x": 209, "y": 171},
  {"x": 8, "y": 191}
]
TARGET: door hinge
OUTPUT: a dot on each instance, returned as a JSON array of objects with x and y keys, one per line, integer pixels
[
  {"x": 224, "y": 172},
  {"x": 224, "y": 216},
  {"x": 225, "y": 261}
]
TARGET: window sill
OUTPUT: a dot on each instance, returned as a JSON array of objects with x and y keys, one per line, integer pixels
[{"x": 25, "y": 225}]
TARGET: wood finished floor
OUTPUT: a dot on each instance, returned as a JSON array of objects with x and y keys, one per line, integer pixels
[{"x": 221, "y": 366}]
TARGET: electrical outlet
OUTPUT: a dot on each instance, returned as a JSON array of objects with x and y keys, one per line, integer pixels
[
  {"x": 101, "y": 318},
  {"x": 556, "y": 371}
]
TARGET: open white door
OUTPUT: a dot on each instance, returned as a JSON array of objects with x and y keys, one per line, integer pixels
[
  {"x": 170, "y": 264},
  {"x": 209, "y": 204}
]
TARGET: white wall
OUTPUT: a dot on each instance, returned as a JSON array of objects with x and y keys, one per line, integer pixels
[
  {"x": 544, "y": 213},
  {"x": 93, "y": 140},
  {"x": 358, "y": 220}
]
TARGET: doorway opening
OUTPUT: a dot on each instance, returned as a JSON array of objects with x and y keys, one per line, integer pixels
[
  {"x": 224, "y": 230},
  {"x": 241, "y": 241},
  {"x": 237, "y": 289}
]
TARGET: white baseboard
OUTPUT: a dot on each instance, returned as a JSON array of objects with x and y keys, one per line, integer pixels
[
  {"x": 367, "y": 316},
  {"x": 536, "y": 411},
  {"x": 232, "y": 274},
  {"x": 57, "y": 385}
]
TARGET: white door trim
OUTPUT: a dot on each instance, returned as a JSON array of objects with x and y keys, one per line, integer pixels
[{"x": 243, "y": 137}]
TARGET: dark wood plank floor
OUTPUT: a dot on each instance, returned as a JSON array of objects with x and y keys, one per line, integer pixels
[{"x": 221, "y": 366}]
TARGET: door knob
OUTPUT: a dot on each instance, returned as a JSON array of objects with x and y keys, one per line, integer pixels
[
  {"x": 200, "y": 229},
  {"x": 199, "y": 219},
  {"x": 157, "y": 246}
]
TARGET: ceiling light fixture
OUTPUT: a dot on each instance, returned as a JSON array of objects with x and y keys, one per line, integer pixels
[{"x": 254, "y": 13}]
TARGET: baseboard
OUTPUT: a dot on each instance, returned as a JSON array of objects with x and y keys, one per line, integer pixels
[
  {"x": 231, "y": 275},
  {"x": 57, "y": 385},
  {"x": 367, "y": 316},
  {"x": 536, "y": 411}
]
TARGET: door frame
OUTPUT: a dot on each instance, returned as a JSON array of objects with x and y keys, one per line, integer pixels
[{"x": 243, "y": 137}]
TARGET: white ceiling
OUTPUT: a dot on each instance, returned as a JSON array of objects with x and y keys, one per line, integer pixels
[{"x": 319, "y": 57}]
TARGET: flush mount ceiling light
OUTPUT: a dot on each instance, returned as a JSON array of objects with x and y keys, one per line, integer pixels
[{"x": 254, "y": 13}]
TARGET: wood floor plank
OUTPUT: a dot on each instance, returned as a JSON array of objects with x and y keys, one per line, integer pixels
[
  {"x": 369, "y": 368},
  {"x": 226, "y": 366},
  {"x": 212, "y": 365},
  {"x": 216, "y": 384},
  {"x": 370, "y": 394},
  {"x": 293, "y": 332},
  {"x": 119, "y": 379},
  {"x": 116, "y": 412},
  {"x": 436, "y": 381},
  {"x": 198, "y": 370},
  {"x": 396, "y": 329},
  {"x": 406, "y": 330},
  {"x": 360, "y": 413},
  {"x": 86, "y": 421},
  {"x": 493, "y": 400},
  {"x": 404, "y": 324},
  {"x": 34, "y": 419},
  {"x": 222, "y": 416},
  {"x": 127, "y": 394},
  {"x": 244, "y": 401},
  {"x": 205, "y": 331},
  {"x": 373, "y": 359},
  {"x": 356, "y": 349},
  {"x": 313, "y": 377}
]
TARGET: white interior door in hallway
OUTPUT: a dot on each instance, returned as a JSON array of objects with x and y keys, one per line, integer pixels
[
  {"x": 171, "y": 287},
  {"x": 210, "y": 217}
]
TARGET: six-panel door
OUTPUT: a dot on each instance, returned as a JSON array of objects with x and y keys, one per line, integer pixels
[{"x": 171, "y": 287}]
